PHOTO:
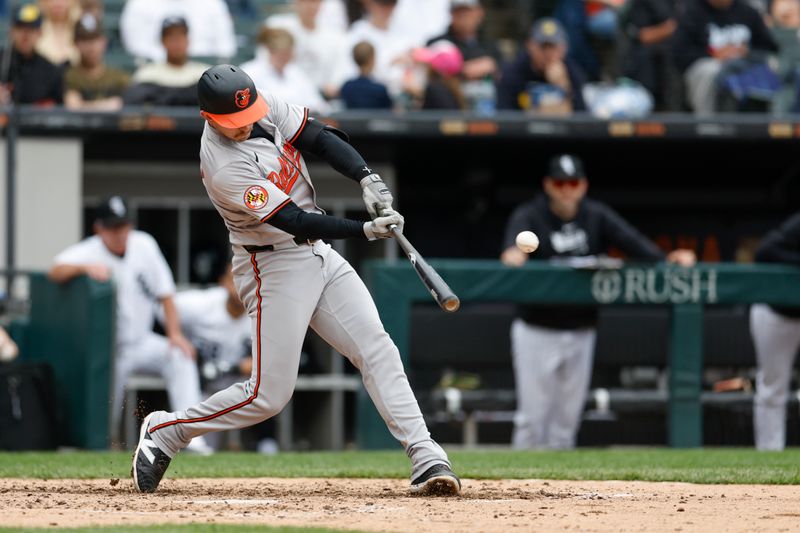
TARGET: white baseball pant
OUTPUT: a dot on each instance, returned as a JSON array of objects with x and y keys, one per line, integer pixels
[
  {"x": 776, "y": 339},
  {"x": 552, "y": 371},
  {"x": 285, "y": 291}
]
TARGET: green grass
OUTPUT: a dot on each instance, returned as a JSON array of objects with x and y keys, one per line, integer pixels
[
  {"x": 200, "y": 528},
  {"x": 708, "y": 465}
]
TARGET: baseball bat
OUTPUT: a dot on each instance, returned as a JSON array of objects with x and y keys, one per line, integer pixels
[{"x": 440, "y": 291}]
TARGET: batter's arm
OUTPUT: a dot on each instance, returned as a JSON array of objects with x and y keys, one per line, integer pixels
[
  {"x": 304, "y": 225},
  {"x": 330, "y": 145}
]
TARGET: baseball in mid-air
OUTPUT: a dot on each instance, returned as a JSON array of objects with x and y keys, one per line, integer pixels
[{"x": 527, "y": 241}]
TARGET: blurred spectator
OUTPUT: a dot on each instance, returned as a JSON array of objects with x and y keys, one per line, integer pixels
[
  {"x": 173, "y": 82},
  {"x": 57, "y": 44},
  {"x": 443, "y": 87},
  {"x": 319, "y": 52},
  {"x": 552, "y": 346},
  {"x": 392, "y": 48},
  {"x": 91, "y": 85},
  {"x": 542, "y": 77},
  {"x": 481, "y": 59},
  {"x": 8, "y": 348},
  {"x": 421, "y": 20},
  {"x": 649, "y": 26},
  {"x": 776, "y": 337},
  {"x": 209, "y": 21},
  {"x": 785, "y": 30},
  {"x": 712, "y": 35},
  {"x": 363, "y": 92},
  {"x": 133, "y": 260},
  {"x": 94, "y": 8},
  {"x": 272, "y": 70},
  {"x": 30, "y": 78},
  {"x": 586, "y": 23},
  {"x": 333, "y": 16}
]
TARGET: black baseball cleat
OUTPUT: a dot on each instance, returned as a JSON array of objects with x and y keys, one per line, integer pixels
[
  {"x": 149, "y": 463},
  {"x": 438, "y": 480}
]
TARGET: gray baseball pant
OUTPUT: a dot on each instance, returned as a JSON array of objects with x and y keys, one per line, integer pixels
[
  {"x": 552, "y": 371},
  {"x": 285, "y": 291},
  {"x": 776, "y": 339}
]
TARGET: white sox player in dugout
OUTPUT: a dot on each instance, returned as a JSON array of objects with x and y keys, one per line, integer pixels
[{"x": 288, "y": 278}]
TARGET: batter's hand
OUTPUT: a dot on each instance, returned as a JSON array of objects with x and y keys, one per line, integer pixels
[
  {"x": 683, "y": 257},
  {"x": 376, "y": 195},
  {"x": 380, "y": 228},
  {"x": 182, "y": 343}
]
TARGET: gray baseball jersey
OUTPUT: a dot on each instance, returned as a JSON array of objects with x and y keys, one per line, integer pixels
[
  {"x": 249, "y": 181},
  {"x": 287, "y": 289}
]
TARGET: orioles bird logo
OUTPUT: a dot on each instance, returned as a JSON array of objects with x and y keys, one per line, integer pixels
[
  {"x": 255, "y": 197},
  {"x": 242, "y": 98}
]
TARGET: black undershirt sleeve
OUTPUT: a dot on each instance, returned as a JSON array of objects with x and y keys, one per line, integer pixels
[
  {"x": 328, "y": 146},
  {"x": 304, "y": 225}
]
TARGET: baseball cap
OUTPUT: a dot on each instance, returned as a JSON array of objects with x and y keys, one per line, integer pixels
[
  {"x": 455, "y": 4},
  {"x": 443, "y": 56},
  {"x": 566, "y": 167},
  {"x": 27, "y": 15},
  {"x": 229, "y": 97},
  {"x": 548, "y": 31},
  {"x": 173, "y": 21},
  {"x": 87, "y": 28},
  {"x": 113, "y": 212}
]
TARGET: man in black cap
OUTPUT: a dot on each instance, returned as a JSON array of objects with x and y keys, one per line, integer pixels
[
  {"x": 542, "y": 77},
  {"x": 134, "y": 262},
  {"x": 26, "y": 76},
  {"x": 92, "y": 85},
  {"x": 552, "y": 345},
  {"x": 481, "y": 59},
  {"x": 173, "y": 82}
]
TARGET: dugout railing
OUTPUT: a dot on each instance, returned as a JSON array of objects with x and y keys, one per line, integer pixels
[{"x": 396, "y": 288}]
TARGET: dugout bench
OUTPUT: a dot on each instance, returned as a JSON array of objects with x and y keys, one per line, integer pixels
[{"x": 685, "y": 292}]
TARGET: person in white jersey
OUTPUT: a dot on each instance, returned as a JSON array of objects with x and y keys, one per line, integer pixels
[
  {"x": 289, "y": 278},
  {"x": 134, "y": 262}
]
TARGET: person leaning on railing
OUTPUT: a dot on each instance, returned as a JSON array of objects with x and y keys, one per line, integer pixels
[{"x": 552, "y": 345}]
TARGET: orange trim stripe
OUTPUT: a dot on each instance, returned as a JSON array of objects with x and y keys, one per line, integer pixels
[
  {"x": 254, "y": 395},
  {"x": 302, "y": 126},
  {"x": 276, "y": 210}
]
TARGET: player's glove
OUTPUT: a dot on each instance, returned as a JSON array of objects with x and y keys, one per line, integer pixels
[
  {"x": 376, "y": 195},
  {"x": 380, "y": 228}
]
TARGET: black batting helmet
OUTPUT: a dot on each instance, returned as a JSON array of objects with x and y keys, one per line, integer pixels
[{"x": 229, "y": 97}]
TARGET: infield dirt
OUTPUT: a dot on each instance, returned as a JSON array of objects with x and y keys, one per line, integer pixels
[{"x": 385, "y": 505}]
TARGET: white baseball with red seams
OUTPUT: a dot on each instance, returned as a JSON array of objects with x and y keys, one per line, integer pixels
[
  {"x": 527, "y": 241},
  {"x": 286, "y": 290}
]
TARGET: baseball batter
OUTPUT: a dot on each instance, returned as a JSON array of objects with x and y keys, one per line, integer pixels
[
  {"x": 288, "y": 277},
  {"x": 776, "y": 337}
]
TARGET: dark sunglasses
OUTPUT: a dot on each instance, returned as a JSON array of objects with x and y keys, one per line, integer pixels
[{"x": 560, "y": 184}]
